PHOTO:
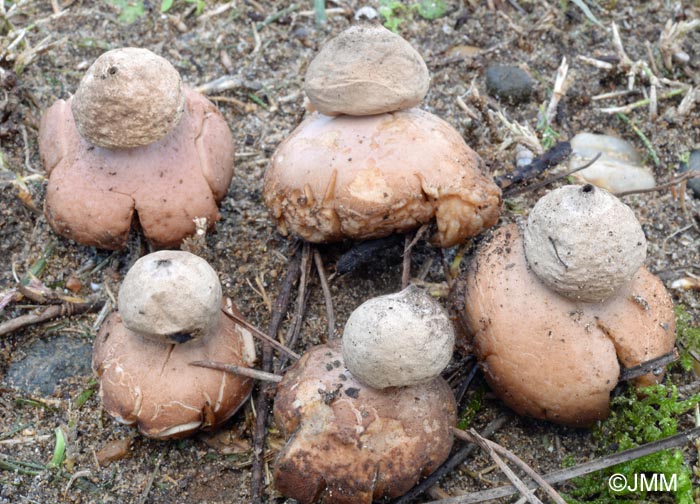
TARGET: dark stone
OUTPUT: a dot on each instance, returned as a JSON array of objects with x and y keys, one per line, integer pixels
[
  {"x": 48, "y": 362},
  {"x": 693, "y": 165},
  {"x": 509, "y": 83}
]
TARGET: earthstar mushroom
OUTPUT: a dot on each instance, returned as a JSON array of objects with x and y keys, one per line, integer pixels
[
  {"x": 144, "y": 370},
  {"x": 170, "y": 296},
  {"x": 348, "y": 443},
  {"x": 120, "y": 104},
  {"x": 554, "y": 357},
  {"x": 166, "y": 155},
  {"x": 378, "y": 166},
  {"x": 583, "y": 242}
]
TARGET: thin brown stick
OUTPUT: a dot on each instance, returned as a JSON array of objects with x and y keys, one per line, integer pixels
[
  {"x": 406, "y": 269},
  {"x": 447, "y": 271},
  {"x": 302, "y": 298},
  {"x": 261, "y": 335},
  {"x": 551, "y": 180},
  {"x": 580, "y": 470},
  {"x": 239, "y": 370},
  {"x": 407, "y": 248},
  {"x": 435, "y": 492},
  {"x": 266, "y": 390},
  {"x": 514, "y": 459},
  {"x": 651, "y": 366},
  {"x": 675, "y": 181},
  {"x": 419, "y": 234},
  {"x": 53, "y": 311},
  {"x": 460, "y": 456},
  {"x": 326, "y": 294},
  {"x": 489, "y": 448},
  {"x": 151, "y": 479}
]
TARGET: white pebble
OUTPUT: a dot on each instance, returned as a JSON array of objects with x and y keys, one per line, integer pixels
[{"x": 619, "y": 167}]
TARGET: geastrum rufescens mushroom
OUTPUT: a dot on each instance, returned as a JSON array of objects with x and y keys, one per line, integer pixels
[
  {"x": 556, "y": 308},
  {"x": 358, "y": 430},
  {"x": 133, "y": 140},
  {"x": 380, "y": 167},
  {"x": 170, "y": 314},
  {"x": 350, "y": 443}
]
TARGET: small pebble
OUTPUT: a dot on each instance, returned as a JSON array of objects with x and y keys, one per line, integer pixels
[
  {"x": 48, "y": 362},
  {"x": 114, "y": 450},
  {"x": 463, "y": 51},
  {"x": 523, "y": 156},
  {"x": 509, "y": 83},
  {"x": 693, "y": 165},
  {"x": 619, "y": 167},
  {"x": 74, "y": 284},
  {"x": 301, "y": 33},
  {"x": 367, "y": 13}
]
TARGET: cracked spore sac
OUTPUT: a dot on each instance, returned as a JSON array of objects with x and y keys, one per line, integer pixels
[{"x": 48, "y": 362}]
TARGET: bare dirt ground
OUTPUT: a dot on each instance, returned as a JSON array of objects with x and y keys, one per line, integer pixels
[{"x": 266, "y": 105}]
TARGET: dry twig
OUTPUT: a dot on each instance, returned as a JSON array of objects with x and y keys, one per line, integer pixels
[
  {"x": 655, "y": 366},
  {"x": 406, "y": 263},
  {"x": 151, "y": 479},
  {"x": 551, "y": 180},
  {"x": 671, "y": 38},
  {"x": 521, "y": 134},
  {"x": 302, "y": 298},
  {"x": 582, "y": 469},
  {"x": 473, "y": 437},
  {"x": 408, "y": 246},
  {"x": 262, "y": 403},
  {"x": 326, "y": 294},
  {"x": 239, "y": 370},
  {"x": 267, "y": 340},
  {"x": 54, "y": 311},
  {"x": 517, "y": 482},
  {"x": 561, "y": 85},
  {"x": 673, "y": 182}
]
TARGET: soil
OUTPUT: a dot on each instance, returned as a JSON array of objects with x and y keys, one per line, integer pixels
[{"x": 252, "y": 258}]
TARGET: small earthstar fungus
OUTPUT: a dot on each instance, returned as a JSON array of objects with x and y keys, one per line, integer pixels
[
  {"x": 554, "y": 309},
  {"x": 375, "y": 165},
  {"x": 350, "y": 443},
  {"x": 133, "y": 140},
  {"x": 170, "y": 315}
]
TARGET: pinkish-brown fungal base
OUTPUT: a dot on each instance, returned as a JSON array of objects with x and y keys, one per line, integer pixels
[
  {"x": 550, "y": 357},
  {"x": 348, "y": 443},
  {"x": 151, "y": 385},
  {"x": 93, "y": 193},
  {"x": 368, "y": 177}
]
